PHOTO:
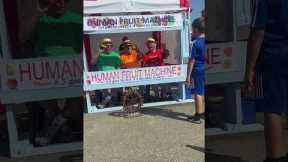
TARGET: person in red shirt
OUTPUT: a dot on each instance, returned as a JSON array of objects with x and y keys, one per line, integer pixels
[{"x": 154, "y": 56}]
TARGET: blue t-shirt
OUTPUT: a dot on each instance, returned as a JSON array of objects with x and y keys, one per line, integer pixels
[
  {"x": 272, "y": 17},
  {"x": 197, "y": 53}
]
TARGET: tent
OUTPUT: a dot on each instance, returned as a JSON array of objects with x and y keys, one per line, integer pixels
[
  {"x": 105, "y": 18},
  {"x": 120, "y": 6}
]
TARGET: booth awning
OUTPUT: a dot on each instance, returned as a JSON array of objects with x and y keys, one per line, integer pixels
[{"x": 118, "y": 6}]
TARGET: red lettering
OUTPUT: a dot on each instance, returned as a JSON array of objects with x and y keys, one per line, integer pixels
[
  {"x": 152, "y": 73},
  {"x": 105, "y": 76},
  {"x": 52, "y": 71},
  {"x": 24, "y": 71},
  {"x": 124, "y": 75},
  {"x": 147, "y": 73},
  {"x": 128, "y": 75},
  {"x": 212, "y": 56},
  {"x": 35, "y": 71},
  {"x": 215, "y": 54},
  {"x": 66, "y": 69},
  {"x": 134, "y": 75},
  {"x": 94, "y": 77},
  {"x": 77, "y": 68},
  {"x": 158, "y": 72},
  {"x": 173, "y": 70},
  {"x": 112, "y": 76}
]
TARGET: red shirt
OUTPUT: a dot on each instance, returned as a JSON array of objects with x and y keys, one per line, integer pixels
[{"x": 153, "y": 58}]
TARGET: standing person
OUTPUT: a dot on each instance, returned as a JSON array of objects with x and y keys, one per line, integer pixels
[
  {"x": 154, "y": 57},
  {"x": 107, "y": 60},
  {"x": 267, "y": 46},
  {"x": 129, "y": 55},
  {"x": 56, "y": 32},
  {"x": 196, "y": 69}
]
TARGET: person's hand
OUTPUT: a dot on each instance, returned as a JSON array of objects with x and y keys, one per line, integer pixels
[
  {"x": 188, "y": 81},
  {"x": 249, "y": 90}
]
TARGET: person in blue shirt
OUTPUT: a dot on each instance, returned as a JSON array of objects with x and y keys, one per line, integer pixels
[
  {"x": 268, "y": 50},
  {"x": 196, "y": 69}
]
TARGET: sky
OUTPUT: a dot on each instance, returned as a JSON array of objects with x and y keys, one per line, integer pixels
[{"x": 197, "y": 7}]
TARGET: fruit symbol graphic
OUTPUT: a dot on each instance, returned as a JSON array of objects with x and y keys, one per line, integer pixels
[
  {"x": 228, "y": 52},
  {"x": 12, "y": 83},
  {"x": 179, "y": 71},
  {"x": 10, "y": 69},
  {"x": 227, "y": 64}
]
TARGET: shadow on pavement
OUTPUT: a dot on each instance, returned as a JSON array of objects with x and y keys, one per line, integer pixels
[
  {"x": 169, "y": 113},
  {"x": 197, "y": 148}
]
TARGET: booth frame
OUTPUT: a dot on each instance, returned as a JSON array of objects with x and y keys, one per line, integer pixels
[
  {"x": 185, "y": 40},
  {"x": 22, "y": 148},
  {"x": 232, "y": 83}
]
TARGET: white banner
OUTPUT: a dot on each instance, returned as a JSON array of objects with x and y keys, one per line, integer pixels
[
  {"x": 42, "y": 73},
  {"x": 120, "y": 6},
  {"x": 131, "y": 22},
  {"x": 134, "y": 77},
  {"x": 221, "y": 58}
]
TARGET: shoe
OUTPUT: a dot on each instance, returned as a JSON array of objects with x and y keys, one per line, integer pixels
[
  {"x": 202, "y": 116},
  {"x": 195, "y": 119}
]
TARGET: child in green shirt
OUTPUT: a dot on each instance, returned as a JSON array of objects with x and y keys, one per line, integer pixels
[
  {"x": 58, "y": 32},
  {"x": 107, "y": 60}
]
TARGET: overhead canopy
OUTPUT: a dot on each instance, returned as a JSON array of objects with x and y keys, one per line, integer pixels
[{"x": 116, "y": 6}]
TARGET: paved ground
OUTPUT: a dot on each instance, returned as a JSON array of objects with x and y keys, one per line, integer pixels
[
  {"x": 161, "y": 135},
  {"x": 250, "y": 147}
]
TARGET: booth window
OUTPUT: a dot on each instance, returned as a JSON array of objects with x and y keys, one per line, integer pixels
[{"x": 219, "y": 20}]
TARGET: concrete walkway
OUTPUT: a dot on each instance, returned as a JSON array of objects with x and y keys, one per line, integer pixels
[
  {"x": 160, "y": 135},
  {"x": 249, "y": 147}
]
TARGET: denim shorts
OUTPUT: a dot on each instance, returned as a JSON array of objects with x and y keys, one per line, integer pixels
[
  {"x": 198, "y": 79},
  {"x": 275, "y": 92}
]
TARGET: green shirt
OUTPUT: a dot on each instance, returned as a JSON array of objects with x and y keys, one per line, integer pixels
[
  {"x": 107, "y": 62},
  {"x": 58, "y": 36}
]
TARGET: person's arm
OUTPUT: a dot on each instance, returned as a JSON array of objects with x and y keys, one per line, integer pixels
[
  {"x": 253, "y": 49},
  {"x": 191, "y": 63},
  {"x": 118, "y": 62},
  {"x": 96, "y": 60},
  {"x": 255, "y": 42},
  {"x": 189, "y": 70}
]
